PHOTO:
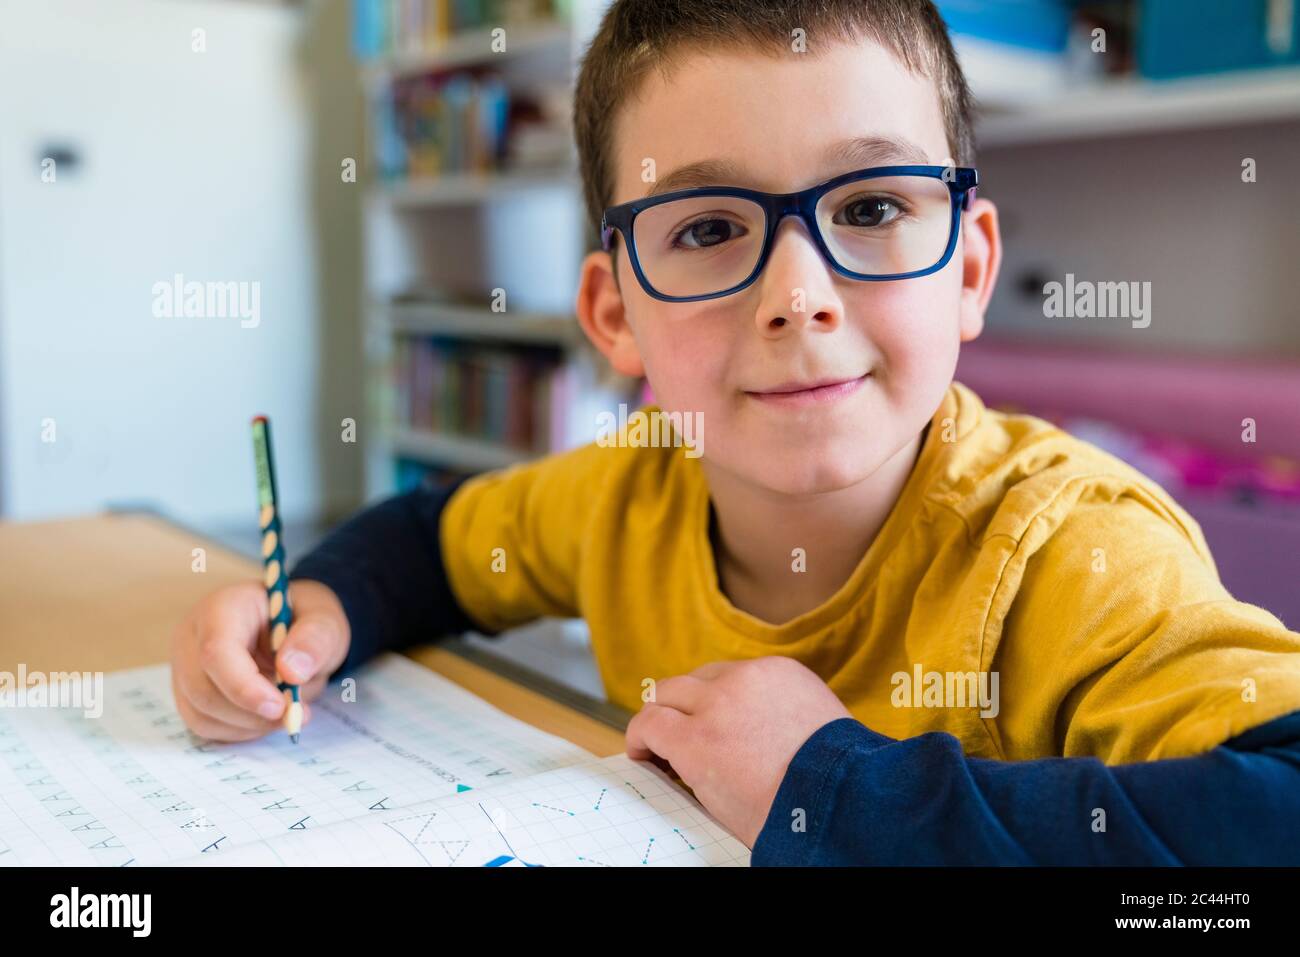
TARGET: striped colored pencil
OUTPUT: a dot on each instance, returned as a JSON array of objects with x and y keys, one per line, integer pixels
[{"x": 276, "y": 576}]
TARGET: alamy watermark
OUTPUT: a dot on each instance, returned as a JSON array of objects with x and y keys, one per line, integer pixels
[
  {"x": 1098, "y": 300},
  {"x": 179, "y": 299},
  {"x": 641, "y": 429},
  {"x": 75, "y": 909},
  {"x": 946, "y": 689},
  {"x": 53, "y": 689}
]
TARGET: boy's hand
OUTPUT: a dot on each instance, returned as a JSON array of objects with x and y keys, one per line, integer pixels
[
  {"x": 729, "y": 730},
  {"x": 223, "y": 671}
]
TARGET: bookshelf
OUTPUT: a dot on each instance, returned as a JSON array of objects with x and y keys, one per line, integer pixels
[
  {"x": 469, "y": 453},
  {"x": 535, "y": 33},
  {"x": 1129, "y": 105},
  {"x": 474, "y": 233},
  {"x": 474, "y": 322},
  {"x": 1107, "y": 163},
  {"x": 454, "y": 189}
]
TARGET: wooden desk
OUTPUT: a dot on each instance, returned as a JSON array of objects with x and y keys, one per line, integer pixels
[{"x": 104, "y": 593}]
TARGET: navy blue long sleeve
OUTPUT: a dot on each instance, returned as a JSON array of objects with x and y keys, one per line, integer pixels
[
  {"x": 868, "y": 799},
  {"x": 385, "y": 565}
]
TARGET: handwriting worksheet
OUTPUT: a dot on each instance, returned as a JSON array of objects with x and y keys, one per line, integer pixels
[
  {"x": 412, "y": 769},
  {"x": 613, "y": 812}
]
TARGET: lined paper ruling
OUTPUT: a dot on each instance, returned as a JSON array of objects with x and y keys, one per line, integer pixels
[
  {"x": 606, "y": 813},
  {"x": 415, "y": 771}
]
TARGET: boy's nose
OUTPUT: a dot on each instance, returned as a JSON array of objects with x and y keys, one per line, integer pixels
[{"x": 797, "y": 284}]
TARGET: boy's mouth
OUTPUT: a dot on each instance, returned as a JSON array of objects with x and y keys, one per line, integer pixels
[{"x": 804, "y": 393}]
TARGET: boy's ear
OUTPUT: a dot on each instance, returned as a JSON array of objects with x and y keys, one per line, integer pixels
[
  {"x": 603, "y": 317},
  {"x": 981, "y": 257}
]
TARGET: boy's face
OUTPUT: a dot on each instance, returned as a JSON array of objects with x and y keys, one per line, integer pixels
[{"x": 893, "y": 344}]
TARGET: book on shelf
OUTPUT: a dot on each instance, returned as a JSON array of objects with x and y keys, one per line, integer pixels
[
  {"x": 385, "y": 28},
  {"x": 428, "y": 126},
  {"x": 467, "y": 121},
  {"x": 529, "y": 400}
]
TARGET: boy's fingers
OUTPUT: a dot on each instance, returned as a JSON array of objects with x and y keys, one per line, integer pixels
[
  {"x": 206, "y": 698},
  {"x": 683, "y": 692},
  {"x": 711, "y": 669},
  {"x": 656, "y": 730},
  {"x": 312, "y": 689},
  {"x": 231, "y": 668},
  {"x": 208, "y": 727},
  {"x": 312, "y": 646}
]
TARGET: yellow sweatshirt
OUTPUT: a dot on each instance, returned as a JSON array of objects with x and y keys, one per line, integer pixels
[{"x": 1018, "y": 561}]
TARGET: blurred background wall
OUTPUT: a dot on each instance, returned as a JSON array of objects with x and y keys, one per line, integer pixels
[{"x": 203, "y": 155}]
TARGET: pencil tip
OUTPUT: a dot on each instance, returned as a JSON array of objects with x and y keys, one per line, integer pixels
[{"x": 293, "y": 738}]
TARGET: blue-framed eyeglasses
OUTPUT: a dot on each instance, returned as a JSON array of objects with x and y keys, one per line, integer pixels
[{"x": 875, "y": 224}]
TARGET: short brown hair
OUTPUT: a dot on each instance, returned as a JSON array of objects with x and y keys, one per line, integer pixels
[{"x": 638, "y": 35}]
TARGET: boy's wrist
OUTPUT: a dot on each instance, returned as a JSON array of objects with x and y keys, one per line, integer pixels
[{"x": 802, "y": 810}]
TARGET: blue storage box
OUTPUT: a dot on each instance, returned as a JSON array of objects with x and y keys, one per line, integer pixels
[
  {"x": 1042, "y": 25},
  {"x": 1179, "y": 38}
]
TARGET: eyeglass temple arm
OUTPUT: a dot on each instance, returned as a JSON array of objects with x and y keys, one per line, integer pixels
[{"x": 968, "y": 194}]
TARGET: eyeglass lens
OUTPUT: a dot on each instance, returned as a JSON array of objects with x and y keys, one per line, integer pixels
[{"x": 882, "y": 226}]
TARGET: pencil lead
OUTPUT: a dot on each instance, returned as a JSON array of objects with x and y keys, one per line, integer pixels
[{"x": 293, "y": 738}]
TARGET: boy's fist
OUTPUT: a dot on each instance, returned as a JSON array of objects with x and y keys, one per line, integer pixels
[{"x": 223, "y": 671}]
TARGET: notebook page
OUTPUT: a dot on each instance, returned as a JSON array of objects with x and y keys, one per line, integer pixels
[
  {"x": 604, "y": 813},
  {"x": 135, "y": 786}
]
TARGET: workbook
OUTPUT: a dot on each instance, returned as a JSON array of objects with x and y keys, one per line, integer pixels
[{"x": 398, "y": 767}]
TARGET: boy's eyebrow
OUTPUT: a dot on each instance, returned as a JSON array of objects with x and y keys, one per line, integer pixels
[{"x": 858, "y": 152}]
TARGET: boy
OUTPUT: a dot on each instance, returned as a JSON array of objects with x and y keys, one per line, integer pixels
[{"x": 856, "y": 521}]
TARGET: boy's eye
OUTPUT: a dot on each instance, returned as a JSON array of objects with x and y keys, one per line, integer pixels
[
  {"x": 707, "y": 232},
  {"x": 868, "y": 211}
]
